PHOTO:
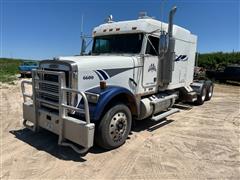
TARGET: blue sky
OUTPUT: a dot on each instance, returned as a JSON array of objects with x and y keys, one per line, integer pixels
[{"x": 40, "y": 29}]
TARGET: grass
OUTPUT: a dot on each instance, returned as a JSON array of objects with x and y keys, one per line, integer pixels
[{"x": 9, "y": 69}]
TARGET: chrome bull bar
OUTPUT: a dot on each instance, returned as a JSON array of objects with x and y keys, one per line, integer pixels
[{"x": 80, "y": 132}]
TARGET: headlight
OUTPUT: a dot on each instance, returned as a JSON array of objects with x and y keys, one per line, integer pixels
[{"x": 92, "y": 98}]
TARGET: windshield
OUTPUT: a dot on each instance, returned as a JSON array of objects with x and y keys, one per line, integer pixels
[{"x": 123, "y": 43}]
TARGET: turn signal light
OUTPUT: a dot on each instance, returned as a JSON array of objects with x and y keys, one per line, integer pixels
[{"x": 103, "y": 84}]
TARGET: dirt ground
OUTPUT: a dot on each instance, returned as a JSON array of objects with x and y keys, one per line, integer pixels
[{"x": 200, "y": 143}]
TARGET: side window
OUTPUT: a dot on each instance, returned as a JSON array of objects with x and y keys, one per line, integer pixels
[
  {"x": 102, "y": 45},
  {"x": 154, "y": 43}
]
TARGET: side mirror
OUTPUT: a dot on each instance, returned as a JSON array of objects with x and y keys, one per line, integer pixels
[{"x": 163, "y": 42}]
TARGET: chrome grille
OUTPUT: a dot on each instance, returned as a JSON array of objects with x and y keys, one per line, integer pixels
[
  {"x": 50, "y": 89},
  {"x": 49, "y": 97},
  {"x": 50, "y": 77}
]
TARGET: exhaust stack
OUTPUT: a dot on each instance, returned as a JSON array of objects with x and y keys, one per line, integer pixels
[
  {"x": 170, "y": 20},
  {"x": 168, "y": 60}
]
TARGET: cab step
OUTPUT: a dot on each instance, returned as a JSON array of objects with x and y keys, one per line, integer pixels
[
  {"x": 165, "y": 114},
  {"x": 182, "y": 106}
]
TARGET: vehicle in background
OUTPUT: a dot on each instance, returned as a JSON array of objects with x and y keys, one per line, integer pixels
[
  {"x": 230, "y": 73},
  {"x": 26, "y": 68}
]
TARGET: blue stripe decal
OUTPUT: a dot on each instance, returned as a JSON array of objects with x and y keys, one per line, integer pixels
[
  {"x": 106, "y": 73},
  {"x": 182, "y": 58},
  {"x": 103, "y": 74},
  {"x": 100, "y": 77}
]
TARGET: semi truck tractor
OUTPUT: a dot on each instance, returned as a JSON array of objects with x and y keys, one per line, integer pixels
[{"x": 137, "y": 69}]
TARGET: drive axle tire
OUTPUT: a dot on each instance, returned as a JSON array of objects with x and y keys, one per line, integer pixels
[
  {"x": 202, "y": 96},
  {"x": 114, "y": 127},
  {"x": 209, "y": 92}
]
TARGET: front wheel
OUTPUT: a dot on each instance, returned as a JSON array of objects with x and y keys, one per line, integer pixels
[{"x": 114, "y": 127}]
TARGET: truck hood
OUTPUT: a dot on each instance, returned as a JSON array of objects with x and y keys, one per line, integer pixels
[{"x": 100, "y": 62}]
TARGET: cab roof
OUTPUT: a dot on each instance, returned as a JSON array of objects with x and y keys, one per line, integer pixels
[{"x": 145, "y": 25}]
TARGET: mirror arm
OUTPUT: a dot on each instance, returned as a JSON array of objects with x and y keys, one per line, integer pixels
[{"x": 84, "y": 45}]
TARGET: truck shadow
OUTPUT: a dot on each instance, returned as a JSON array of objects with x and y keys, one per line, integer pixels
[
  {"x": 47, "y": 141},
  {"x": 149, "y": 125}
]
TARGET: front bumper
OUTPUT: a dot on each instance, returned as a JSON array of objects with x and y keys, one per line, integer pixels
[{"x": 74, "y": 130}]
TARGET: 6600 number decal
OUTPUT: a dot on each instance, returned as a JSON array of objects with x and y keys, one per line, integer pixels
[{"x": 88, "y": 77}]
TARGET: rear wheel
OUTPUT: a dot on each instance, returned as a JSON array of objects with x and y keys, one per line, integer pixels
[
  {"x": 209, "y": 92},
  {"x": 202, "y": 96},
  {"x": 114, "y": 127}
]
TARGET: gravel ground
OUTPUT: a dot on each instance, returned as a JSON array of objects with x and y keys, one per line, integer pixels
[{"x": 199, "y": 143}]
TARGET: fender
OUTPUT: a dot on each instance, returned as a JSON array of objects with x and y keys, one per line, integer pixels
[
  {"x": 105, "y": 96},
  {"x": 198, "y": 85}
]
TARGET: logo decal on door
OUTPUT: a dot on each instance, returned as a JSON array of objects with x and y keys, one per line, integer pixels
[{"x": 152, "y": 68}]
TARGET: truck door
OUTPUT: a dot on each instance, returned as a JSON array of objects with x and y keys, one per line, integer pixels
[{"x": 150, "y": 64}]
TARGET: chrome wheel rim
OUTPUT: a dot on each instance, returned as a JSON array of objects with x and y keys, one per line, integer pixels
[
  {"x": 210, "y": 91},
  {"x": 204, "y": 94},
  {"x": 117, "y": 126}
]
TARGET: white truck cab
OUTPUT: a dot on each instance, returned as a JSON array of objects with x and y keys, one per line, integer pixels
[{"x": 136, "y": 70}]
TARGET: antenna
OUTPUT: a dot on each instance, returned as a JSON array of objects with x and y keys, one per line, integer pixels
[
  {"x": 82, "y": 26},
  {"x": 82, "y": 39}
]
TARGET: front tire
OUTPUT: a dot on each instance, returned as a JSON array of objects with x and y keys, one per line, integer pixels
[{"x": 114, "y": 127}]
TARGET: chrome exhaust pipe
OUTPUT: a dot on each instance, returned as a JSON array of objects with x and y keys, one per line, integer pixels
[
  {"x": 168, "y": 62},
  {"x": 170, "y": 21}
]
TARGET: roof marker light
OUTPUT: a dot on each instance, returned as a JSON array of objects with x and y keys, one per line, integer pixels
[
  {"x": 111, "y": 29},
  {"x": 117, "y": 29},
  {"x": 104, "y": 30},
  {"x": 134, "y": 28}
]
